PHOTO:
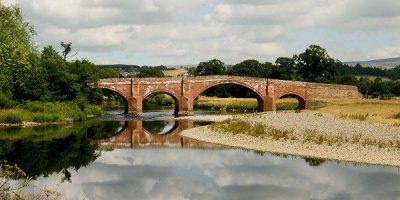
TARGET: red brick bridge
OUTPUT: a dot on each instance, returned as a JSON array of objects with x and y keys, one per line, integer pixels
[{"x": 185, "y": 90}]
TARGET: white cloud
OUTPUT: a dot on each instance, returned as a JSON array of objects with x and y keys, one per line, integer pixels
[{"x": 230, "y": 30}]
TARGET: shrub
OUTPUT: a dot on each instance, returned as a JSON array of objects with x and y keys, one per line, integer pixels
[
  {"x": 92, "y": 110},
  {"x": 5, "y": 102},
  {"x": 396, "y": 116},
  {"x": 386, "y": 96}
]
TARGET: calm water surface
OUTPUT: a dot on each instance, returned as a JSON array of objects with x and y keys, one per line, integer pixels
[{"x": 118, "y": 157}]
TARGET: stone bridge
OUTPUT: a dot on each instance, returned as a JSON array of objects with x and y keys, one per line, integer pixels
[
  {"x": 134, "y": 135},
  {"x": 184, "y": 90}
]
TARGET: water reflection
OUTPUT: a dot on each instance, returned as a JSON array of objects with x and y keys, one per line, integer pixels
[
  {"x": 140, "y": 159},
  {"x": 136, "y": 135}
]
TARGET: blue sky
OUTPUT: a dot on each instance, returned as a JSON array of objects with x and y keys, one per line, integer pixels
[{"x": 154, "y": 32}]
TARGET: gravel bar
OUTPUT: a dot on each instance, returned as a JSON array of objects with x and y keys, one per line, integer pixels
[{"x": 298, "y": 122}]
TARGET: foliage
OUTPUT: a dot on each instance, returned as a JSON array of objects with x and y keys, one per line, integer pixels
[
  {"x": 159, "y": 99},
  {"x": 316, "y": 65},
  {"x": 252, "y": 68},
  {"x": 49, "y": 112},
  {"x": 150, "y": 72},
  {"x": 212, "y": 67},
  {"x": 6, "y": 102}
]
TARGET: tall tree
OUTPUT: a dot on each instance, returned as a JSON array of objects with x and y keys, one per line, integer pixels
[
  {"x": 252, "y": 68},
  {"x": 212, "y": 67},
  {"x": 16, "y": 46},
  {"x": 315, "y": 65},
  {"x": 284, "y": 68}
]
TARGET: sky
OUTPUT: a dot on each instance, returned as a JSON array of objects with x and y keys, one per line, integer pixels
[{"x": 179, "y": 32}]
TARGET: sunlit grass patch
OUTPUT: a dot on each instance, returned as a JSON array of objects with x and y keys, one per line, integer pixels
[
  {"x": 236, "y": 126},
  {"x": 361, "y": 117}
]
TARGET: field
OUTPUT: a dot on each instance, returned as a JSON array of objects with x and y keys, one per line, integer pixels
[
  {"x": 175, "y": 72},
  {"x": 373, "y": 110},
  {"x": 242, "y": 104}
]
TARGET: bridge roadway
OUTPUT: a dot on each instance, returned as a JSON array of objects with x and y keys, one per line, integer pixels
[{"x": 184, "y": 90}]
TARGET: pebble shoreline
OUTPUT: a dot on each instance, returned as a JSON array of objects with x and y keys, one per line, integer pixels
[{"x": 297, "y": 122}]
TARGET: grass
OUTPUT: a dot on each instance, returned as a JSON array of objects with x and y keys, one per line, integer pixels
[
  {"x": 49, "y": 112},
  {"x": 236, "y": 126},
  {"x": 240, "y": 104},
  {"x": 240, "y": 126},
  {"x": 361, "y": 117},
  {"x": 372, "y": 110},
  {"x": 175, "y": 72}
]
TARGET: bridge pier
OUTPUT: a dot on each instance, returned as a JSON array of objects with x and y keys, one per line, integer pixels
[
  {"x": 185, "y": 106},
  {"x": 269, "y": 104},
  {"x": 134, "y": 106}
]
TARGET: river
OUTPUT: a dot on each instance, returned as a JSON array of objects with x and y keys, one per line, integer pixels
[{"x": 118, "y": 157}]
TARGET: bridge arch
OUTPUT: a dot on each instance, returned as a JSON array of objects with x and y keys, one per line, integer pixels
[
  {"x": 169, "y": 131},
  {"x": 119, "y": 93},
  {"x": 258, "y": 95},
  {"x": 171, "y": 93},
  {"x": 300, "y": 98}
]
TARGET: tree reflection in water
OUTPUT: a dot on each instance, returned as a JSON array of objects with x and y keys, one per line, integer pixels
[{"x": 51, "y": 150}]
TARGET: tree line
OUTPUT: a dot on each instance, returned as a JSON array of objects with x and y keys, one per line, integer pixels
[{"x": 312, "y": 65}]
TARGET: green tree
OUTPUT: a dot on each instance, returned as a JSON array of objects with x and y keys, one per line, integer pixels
[
  {"x": 284, "y": 68},
  {"x": 315, "y": 65},
  {"x": 150, "y": 72},
  {"x": 63, "y": 85},
  {"x": 212, "y": 67},
  {"x": 252, "y": 68},
  {"x": 16, "y": 47}
]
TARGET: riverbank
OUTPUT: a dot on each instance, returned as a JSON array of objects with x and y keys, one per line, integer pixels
[
  {"x": 308, "y": 134},
  {"x": 32, "y": 114}
]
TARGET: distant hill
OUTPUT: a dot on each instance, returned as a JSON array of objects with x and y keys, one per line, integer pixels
[
  {"x": 379, "y": 63},
  {"x": 121, "y": 67}
]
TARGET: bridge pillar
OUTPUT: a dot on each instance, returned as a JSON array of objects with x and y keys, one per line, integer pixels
[
  {"x": 269, "y": 104},
  {"x": 135, "y": 106},
  {"x": 185, "y": 106}
]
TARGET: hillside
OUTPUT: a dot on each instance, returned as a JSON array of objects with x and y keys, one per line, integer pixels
[
  {"x": 380, "y": 63},
  {"x": 121, "y": 67}
]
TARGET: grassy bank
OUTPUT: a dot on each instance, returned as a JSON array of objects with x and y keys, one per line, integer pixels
[
  {"x": 373, "y": 110},
  {"x": 40, "y": 112},
  {"x": 240, "y": 104}
]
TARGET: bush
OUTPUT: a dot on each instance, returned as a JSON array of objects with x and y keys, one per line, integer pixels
[
  {"x": 396, "y": 116},
  {"x": 92, "y": 110},
  {"x": 386, "y": 96},
  {"x": 5, "y": 102}
]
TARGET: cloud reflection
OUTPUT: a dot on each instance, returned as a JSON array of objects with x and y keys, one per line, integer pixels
[{"x": 222, "y": 174}]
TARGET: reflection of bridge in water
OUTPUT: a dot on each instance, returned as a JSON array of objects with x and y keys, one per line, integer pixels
[{"x": 134, "y": 135}]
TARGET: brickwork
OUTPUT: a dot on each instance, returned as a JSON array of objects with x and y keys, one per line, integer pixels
[{"x": 185, "y": 90}]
